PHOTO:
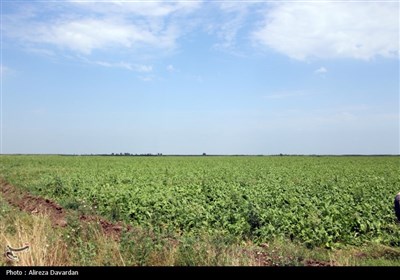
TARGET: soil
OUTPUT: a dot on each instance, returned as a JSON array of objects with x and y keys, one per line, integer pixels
[
  {"x": 317, "y": 263},
  {"x": 39, "y": 205},
  {"x": 109, "y": 228},
  {"x": 263, "y": 259},
  {"x": 34, "y": 204}
]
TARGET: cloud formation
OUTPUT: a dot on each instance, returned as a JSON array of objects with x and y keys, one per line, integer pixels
[
  {"x": 170, "y": 68},
  {"x": 3, "y": 70},
  {"x": 331, "y": 30},
  {"x": 84, "y": 36},
  {"x": 125, "y": 65},
  {"x": 321, "y": 70},
  {"x": 300, "y": 30},
  {"x": 234, "y": 16},
  {"x": 85, "y": 27},
  {"x": 139, "y": 8}
]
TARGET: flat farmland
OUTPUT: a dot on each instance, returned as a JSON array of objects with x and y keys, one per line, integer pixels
[{"x": 317, "y": 201}]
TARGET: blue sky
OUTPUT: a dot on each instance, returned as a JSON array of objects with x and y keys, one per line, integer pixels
[{"x": 191, "y": 77}]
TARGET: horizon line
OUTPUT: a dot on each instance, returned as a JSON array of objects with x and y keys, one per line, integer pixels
[{"x": 201, "y": 154}]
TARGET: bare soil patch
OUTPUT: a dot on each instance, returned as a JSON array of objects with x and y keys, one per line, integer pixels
[
  {"x": 36, "y": 204},
  {"x": 316, "y": 263},
  {"x": 109, "y": 228}
]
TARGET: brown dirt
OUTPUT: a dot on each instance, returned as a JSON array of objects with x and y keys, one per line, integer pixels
[
  {"x": 36, "y": 204},
  {"x": 263, "y": 259},
  {"x": 316, "y": 263},
  {"x": 110, "y": 229}
]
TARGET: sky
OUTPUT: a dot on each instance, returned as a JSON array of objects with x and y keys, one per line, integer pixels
[{"x": 193, "y": 77}]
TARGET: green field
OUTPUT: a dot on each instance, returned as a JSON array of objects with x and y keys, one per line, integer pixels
[{"x": 316, "y": 201}]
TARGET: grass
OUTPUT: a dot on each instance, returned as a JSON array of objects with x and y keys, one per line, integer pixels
[
  {"x": 47, "y": 246},
  {"x": 53, "y": 246}
]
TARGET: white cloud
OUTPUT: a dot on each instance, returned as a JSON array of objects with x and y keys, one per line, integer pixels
[
  {"x": 4, "y": 70},
  {"x": 141, "y": 8},
  {"x": 141, "y": 68},
  {"x": 85, "y": 27},
  {"x": 123, "y": 65},
  {"x": 146, "y": 78},
  {"x": 321, "y": 70},
  {"x": 170, "y": 68},
  {"x": 300, "y": 30},
  {"x": 86, "y": 35},
  {"x": 41, "y": 52},
  {"x": 230, "y": 23},
  {"x": 229, "y": 29},
  {"x": 330, "y": 30}
]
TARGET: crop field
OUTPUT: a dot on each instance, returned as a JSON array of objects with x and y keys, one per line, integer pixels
[{"x": 317, "y": 201}]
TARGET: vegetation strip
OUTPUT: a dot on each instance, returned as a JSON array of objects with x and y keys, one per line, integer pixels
[{"x": 211, "y": 210}]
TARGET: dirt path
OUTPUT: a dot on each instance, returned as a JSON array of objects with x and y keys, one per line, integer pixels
[{"x": 58, "y": 215}]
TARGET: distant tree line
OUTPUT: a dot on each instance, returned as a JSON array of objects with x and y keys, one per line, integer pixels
[
  {"x": 137, "y": 155},
  {"x": 234, "y": 155}
]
